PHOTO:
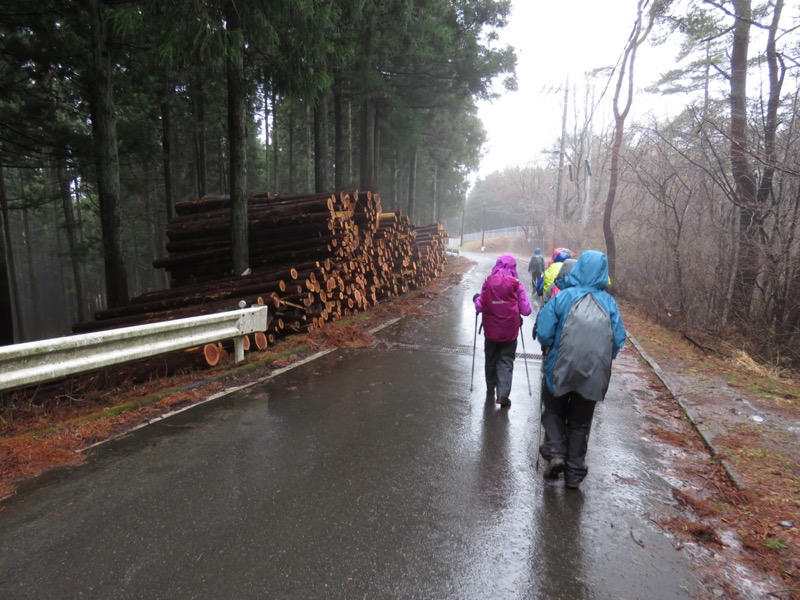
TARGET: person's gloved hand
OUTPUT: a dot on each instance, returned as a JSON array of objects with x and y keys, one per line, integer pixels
[
  {"x": 475, "y": 297},
  {"x": 520, "y": 320},
  {"x": 534, "y": 331}
]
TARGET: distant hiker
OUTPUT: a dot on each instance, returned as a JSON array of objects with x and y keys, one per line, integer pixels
[
  {"x": 581, "y": 332},
  {"x": 565, "y": 269},
  {"x": 556, "y": 252},
  {"x": 551, "y": 272},
  {"x": 502, "y": 302},
  {"x": 536, "y": 266}
]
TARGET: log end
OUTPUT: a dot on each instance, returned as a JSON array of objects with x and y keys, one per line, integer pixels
[
  {"x": 212, "y": 354},
  {"x": 260, "y": 339}
]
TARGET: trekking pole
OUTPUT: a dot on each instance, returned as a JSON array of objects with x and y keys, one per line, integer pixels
[
  {"x": 539, "y": 434},
  {"x": 541, "y": 410},
  {"x": 474, "y": 344},
  {"x": 525, "y": 358}
]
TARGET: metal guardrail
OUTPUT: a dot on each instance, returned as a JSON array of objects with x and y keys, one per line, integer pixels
[
  {"x": 47, "y": 360},
  {"x": 489, "y": 233}
]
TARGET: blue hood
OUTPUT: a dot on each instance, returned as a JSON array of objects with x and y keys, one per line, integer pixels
[{"x": 591, "y": 271}]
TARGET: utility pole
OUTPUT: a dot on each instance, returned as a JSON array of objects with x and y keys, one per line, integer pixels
[
  {"x": 587, "y": 180},
  {"x": 463, "y": 214},
  {"x": 561, "y": 153},
  {"x": 561, "y": 149}
]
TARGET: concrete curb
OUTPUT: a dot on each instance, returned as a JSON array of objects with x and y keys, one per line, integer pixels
[{"x": 690, "y": 413}]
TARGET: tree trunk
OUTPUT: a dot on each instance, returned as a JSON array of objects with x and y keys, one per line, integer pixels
[
  {"x": 561, "y": 153},
  {"x": 237, "y": 112},
  {"x": 338, "y": 133},
  {"x": 72, "y": 243},
  {"x": 62, "y": 310},
  {"x": 321, "y": 145},
  {"x": 104, "y": 129},
  {"x": 158, "y": 279},
  {"x": 367, "y": 146},
  {"x": 167, "y": 137},
  {"x": 744, "y": 181},
  {"x": 752, "y": 196},
  {"x": 290, "y": 149},
  {"x": 137, "y": 285},
  {"x": 200, "y": 137},
  {"x": 376, "y": 151},
  {"x": 309, "y": 122},
  {"x": 638, "y": 36},
  {"x": 435, "y": 194},
  {"x": 412, "y": 185},
  {"x": 395, "y": 181},
  {"x": 274, "y": 102},
  {"x": 350, "y": 148},
  {"x": 8, "y": 277},
  {"x": 267, "y": 134},
  {"x": 32, "y": 324},
  {"x": 608, "y": 230}
]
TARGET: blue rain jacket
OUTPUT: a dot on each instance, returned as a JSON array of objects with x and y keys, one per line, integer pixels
[{"x": 581, "y": 330}]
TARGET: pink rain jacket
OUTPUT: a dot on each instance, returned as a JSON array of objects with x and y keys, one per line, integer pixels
[{"x": 502, "y": 300}]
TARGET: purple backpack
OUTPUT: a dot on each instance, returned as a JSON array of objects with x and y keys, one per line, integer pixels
[{"x": 499, "y": 298}]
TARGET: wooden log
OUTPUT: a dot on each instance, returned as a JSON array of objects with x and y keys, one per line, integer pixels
[
  {"x": 220, "y": 262},
  {"x": 221, "y": 230},
  {"x": 261, "y": 340},
  {"x": 240, "y": 289},
  {"x": 211, "y": 203},
  {"x": 329, "y": 255},
  {"x": 191, "y": 310},
  {"x": 212, "y": 354}
]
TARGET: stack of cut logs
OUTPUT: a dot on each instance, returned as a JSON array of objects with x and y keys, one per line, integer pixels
[{"x": 313, "y": 258}]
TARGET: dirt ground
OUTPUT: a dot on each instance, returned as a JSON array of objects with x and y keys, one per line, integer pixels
[
  {"x": 735, "y": 463},
  {"x": 737, "y": 458}
]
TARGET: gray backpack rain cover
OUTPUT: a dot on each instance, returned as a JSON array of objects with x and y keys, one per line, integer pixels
[{"x": 583, "y": 364}]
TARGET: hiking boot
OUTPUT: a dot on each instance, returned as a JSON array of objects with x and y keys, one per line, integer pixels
[
  {"x": 544, "y": 453},
  {"x": 504, "y": 402},
  {"x": 554, "y": 467},
  {"x": 489, "y": 395}
]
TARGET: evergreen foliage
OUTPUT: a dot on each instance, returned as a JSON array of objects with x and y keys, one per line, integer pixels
[{"x": 415, "y": 69}]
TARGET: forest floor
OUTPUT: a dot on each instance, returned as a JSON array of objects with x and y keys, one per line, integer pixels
[{"x": 728, "y": 430}]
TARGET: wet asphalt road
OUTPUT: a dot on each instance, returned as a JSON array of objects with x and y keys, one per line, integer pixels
[{"x": 366, "y": 473}]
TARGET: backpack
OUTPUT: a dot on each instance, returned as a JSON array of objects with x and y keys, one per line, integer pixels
[
  {"x": 536, "y": 266},
  {"x": 500, "y": 308},
  {"x": 583, "y": 364}
]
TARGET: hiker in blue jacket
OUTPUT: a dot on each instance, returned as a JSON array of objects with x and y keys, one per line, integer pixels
[{"x": 581, "y": 332}]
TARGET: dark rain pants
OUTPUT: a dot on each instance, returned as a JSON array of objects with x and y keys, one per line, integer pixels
[
  {"x": 499, "y": 366},
  {"x": 567, "y": 422}
]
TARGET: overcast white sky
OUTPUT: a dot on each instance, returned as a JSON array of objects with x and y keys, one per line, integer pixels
[{"x": 555, "y": 39}]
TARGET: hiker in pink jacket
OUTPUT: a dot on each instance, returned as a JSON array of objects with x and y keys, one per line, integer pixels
[{"x": 502, "y": 302}]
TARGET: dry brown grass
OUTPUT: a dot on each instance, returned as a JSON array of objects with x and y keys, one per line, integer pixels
[{"x": 765, "y": 457}]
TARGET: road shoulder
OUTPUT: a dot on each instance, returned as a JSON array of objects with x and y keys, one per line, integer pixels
[{"x": 742, "y": 492}]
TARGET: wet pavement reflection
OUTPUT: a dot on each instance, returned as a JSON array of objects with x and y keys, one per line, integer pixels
[{"x": 366, "y": 473}]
